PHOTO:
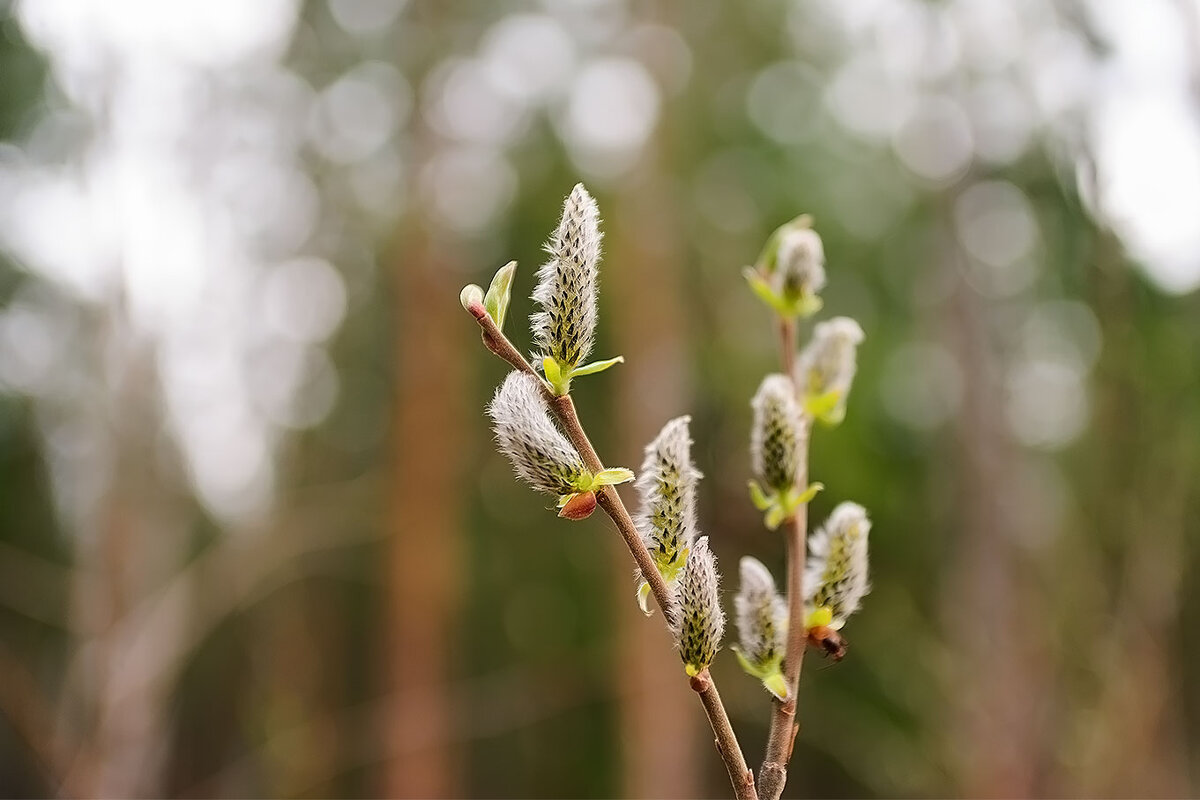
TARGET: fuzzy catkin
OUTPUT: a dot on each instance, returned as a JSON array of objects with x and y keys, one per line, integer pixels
[
  {"x": 836, "y": 576},
  {"x": 565, "y": 328},
  {"x": 699, "y": 623},
  {"x": 829, "y": 361},
  {"x": 777, "y": 433},
  {"x": 762, "y": 616},
  {"x": 667, "y": 485},
  {"x": 800, "y": 263},
  {"x": 539, "y": 452}
]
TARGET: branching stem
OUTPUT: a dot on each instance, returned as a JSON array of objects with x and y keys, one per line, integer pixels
[
  {"x": 781, "y": 736},
  {"x": 563, "y": 409}
]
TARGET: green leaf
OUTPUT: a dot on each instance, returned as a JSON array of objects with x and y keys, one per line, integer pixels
[
  {"x": 807, "y": 495},
  {"x": 596, "y": 366},
  {"x": 498, "y": 294},
  {"x": 760, "y": 498},
  {"x": 609, "y": 477},
  {"x": 559, "y": 383},
  {"x": 470, "y": 295}
]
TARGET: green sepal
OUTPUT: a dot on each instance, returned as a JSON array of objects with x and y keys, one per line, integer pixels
[
  {"x": 781, "y": 505},
  {"x": 612, "y": 476},
  {"x": 470, "y": 295},
  {"x": 583, "y": 482},
  {"x": 785, "y": 305},
  {"x": 770, "y": 674},
  {"x": 760, "y": 498},
  {"x": 797, "y": 499},
  {"x": 825, "y": 407},
  {"x": 835, "y": 416},
  {"x": 643, "y": 597},
  {"x": 596, "y": 366},
  {"x": 560, "y": 383},
  {"x": 692, "y": 670},
  {"x": 806, "y": 304},
  {"x": 776, "y": 684},
  {"x": 670, "y": 567},
  {"x": 498, "y": 294},
  {"x": 763, "y": 291},
  {"x": 750, "y": 669},
  {"x": 775, "y": 516}
]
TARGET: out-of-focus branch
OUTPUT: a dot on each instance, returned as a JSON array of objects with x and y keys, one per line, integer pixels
[
  {"x": 23, "y": 705},
  {"x": 563, "y": 409}
]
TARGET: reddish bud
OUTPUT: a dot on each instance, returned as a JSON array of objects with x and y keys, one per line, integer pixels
[{"x": 580, "y": 506}]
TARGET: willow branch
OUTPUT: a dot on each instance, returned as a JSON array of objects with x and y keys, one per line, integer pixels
[
  {"x": 781, "y": 736},
  {"x": 563, "y": 409},
  {"x": 727, "y": 744}
]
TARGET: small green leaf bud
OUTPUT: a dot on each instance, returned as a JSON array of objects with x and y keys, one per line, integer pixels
[{"x": 499, "y": 293}]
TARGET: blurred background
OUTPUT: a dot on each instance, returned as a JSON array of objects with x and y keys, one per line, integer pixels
[{"x": 254, "y": 540}]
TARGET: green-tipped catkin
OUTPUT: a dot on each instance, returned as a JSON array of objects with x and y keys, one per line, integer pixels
[
  {"x": 825, "y": 367},
  {"x": 539, "y": 452},
  {"x": 799, "y": 264},
  {"x": 667, "y": 485},
  {"x": 565, "y": 327},
  {"x": 836, "y": 576},
  {"x": 699, "y": 623},
  {"x": 777, "y": 433},
  {"x": 762, "y": 617}
]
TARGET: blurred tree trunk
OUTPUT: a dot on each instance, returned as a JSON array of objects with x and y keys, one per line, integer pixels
[
  {"x": 120, "y": 675},
  {"x": 657, "y": 716},
  {"x": 1133, "y": 738},
  {"x": 991, "y": 597},
  {"x": 423, "y": 572}
]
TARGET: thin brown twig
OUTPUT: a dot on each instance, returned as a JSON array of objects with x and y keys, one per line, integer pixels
[
  {"x": 563, "y": 408},
  {"x": 727, "y": 743},
  {"x": 781, "y": 736}
]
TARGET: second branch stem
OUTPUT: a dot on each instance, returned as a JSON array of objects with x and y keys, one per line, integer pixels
[{"x": 781, "y": 736}]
